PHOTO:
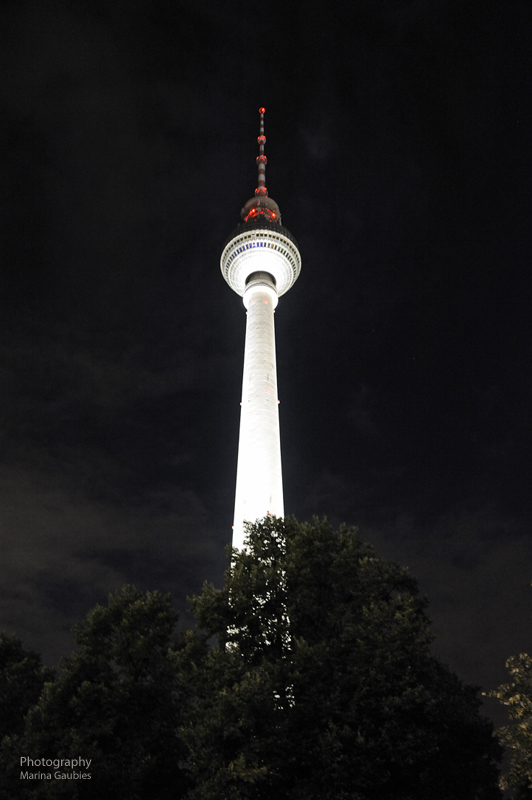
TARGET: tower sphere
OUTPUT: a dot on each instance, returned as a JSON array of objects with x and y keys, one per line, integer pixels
[{"x": 265, "y": 247}]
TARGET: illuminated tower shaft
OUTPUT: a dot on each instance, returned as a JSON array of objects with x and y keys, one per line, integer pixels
[
  {"x": 260, "y": 261},
  {"x": 259, "y": 484}
]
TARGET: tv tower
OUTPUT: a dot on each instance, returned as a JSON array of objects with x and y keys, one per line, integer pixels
[{"x": 260, "y": 262}]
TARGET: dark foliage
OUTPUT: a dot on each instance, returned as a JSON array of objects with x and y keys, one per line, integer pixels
[
  {"x": 312, "y": 678},
  {"x": 22, "y": 677},
  {"x": 321, "y": 683},
  {"x": 116, "y": 702}
]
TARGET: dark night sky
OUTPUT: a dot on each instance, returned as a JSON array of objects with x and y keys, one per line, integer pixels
[{"x": 399, "y": 148}]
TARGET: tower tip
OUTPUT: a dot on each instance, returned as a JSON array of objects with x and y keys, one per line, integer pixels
[{"x": 261, "y": 207}]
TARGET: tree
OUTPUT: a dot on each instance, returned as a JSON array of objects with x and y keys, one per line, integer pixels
[
  {"x": 517, "y": 696},
  {"x": 116, "y": 702},
  {"x": 320, "y": 682},
  {"x": 22, "y": 677}
]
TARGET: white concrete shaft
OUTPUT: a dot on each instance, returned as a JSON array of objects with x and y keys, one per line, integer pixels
[{"x": 259, "y": 485}]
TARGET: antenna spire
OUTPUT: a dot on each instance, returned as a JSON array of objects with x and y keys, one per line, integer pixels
[
  {"x": 261, "y": 208},
  {"x": 261, "y": 190}
]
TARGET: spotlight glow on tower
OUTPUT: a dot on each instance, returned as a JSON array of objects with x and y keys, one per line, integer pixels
[{"x": 260, "y": 262}]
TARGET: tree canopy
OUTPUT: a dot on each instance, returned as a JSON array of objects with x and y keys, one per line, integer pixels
[
  {"x": 517, "y": 736},
  {"x": 117, "y": 702},
  {"x": 22, "y": 677},
  {"x": 321, "y": 683},
  {"x": 310, "y": 676}
]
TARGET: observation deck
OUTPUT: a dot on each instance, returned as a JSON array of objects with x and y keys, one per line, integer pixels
[{"x": 260, "y": 247}]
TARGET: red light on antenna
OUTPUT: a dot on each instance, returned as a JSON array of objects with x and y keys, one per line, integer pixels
[{"x": 262, "y": 110}]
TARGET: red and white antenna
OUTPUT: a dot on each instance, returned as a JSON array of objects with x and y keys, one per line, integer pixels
[
  {"x": 261, "y": 208},
  {"x": 261, "y": 190}
]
